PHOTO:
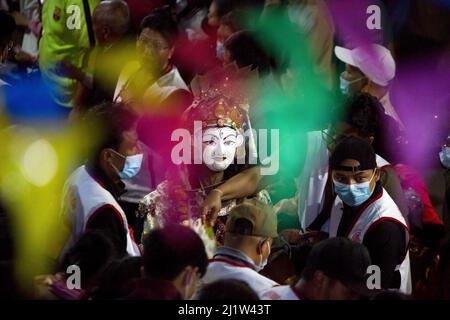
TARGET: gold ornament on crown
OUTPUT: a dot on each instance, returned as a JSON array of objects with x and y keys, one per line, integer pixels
[{"x": 221, "y": 97}]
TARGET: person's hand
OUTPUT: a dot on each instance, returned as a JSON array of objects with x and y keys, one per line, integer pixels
[
  {"x": 286, "y": 206},
  {"x": 312, "y": 237},
  {"x": 24, "y": 58},
  {"x": 68, "y": 70},
  {"x": 211, "y": 206},
  {"x": 35, "y": 27}
]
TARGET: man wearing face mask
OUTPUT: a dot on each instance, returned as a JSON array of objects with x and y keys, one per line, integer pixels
[
  {"x": 369, "y": 68},
  {"x": 364, "y": 212},
  {"x": 91, "y": 192},
  {"x": 249, "y": 232}
]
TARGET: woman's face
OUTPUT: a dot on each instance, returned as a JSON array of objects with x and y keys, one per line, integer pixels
[
  {"x": 219, "y": 147},
  {"x": 154, "y": 50},
  {"x": 213, "y": 18}
]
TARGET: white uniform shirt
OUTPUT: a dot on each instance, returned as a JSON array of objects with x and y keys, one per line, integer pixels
[
  {"x": 82, "y": 197},
  {"x": 222, "y": 269},
  {"x": 375, "y": 211},
  {"x": 280, "y": 293},
  {"x": 158, "y": 91}
]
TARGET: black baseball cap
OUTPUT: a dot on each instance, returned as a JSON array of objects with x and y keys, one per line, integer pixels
[
  {"x": 341, "y": 259},
  {"x": 353, "y": 148}
]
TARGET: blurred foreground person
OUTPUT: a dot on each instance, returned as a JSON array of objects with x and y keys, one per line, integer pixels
[{"x": 335, "y": 270}]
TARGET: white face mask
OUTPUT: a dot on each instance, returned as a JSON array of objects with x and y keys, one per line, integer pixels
[
  {"x": 263, "y": 263},
  {"x": 219, "y": 147},
  {"x": 344, "y": 84}
]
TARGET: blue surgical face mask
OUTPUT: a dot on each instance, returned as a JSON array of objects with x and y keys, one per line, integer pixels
[
  {"x": 220, "y": 50},
  {"x": 344, "y": 84},
  {"x": 131, "y": 167},
  {"x": 353, "y": 194},
  {"x": 444, "y": 156}
]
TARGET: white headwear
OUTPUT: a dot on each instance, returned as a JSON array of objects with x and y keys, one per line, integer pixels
[{"x": 374, "y": 60}]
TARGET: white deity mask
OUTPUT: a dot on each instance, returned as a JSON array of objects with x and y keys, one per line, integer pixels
[{"x": 219, "y": 147}]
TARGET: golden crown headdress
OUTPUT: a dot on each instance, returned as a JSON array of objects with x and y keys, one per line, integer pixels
[{"x": 222, "y": 97}]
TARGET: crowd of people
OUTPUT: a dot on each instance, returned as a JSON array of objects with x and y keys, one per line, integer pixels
[{"x": 172, "y": 198}]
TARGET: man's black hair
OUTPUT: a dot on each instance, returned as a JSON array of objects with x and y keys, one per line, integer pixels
[
  {"x": 168, "y": 250},
  {"x": 361, "y": 111},
  {"x": 230, "y": 289},
  {"x": 108, "y": 121},
  {"x": 246, "y": 51},
  {"x": 162, "y": 21},
  {"x": 7, "y": 27},
  {"x": 114, "y": 282},
  {"x": 365, "y": 112},
  {"x": 92, "y": 253},
  {"x": 226, "y": 6}
]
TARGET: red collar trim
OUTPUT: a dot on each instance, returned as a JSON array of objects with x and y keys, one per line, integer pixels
[
  {"x": 362, "y": 209},
  {"x": 230, "y": 262}
]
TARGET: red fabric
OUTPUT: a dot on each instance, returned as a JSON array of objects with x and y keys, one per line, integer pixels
[{"x": 410, "y": 178}]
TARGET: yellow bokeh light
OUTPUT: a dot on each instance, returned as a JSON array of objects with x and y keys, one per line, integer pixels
[{"x": 39, "y": 163}]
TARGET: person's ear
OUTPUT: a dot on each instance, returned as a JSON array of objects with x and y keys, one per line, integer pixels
[
  {"x": 187, "y": 275},
  {"x": 239, "y": 140},
  {"x": 171, "y": 51},
  {"x": 371, "y": 139},
  {"x": 377, "y": 174},
  {"x": 259, "y": 249},
  {"x": 106, "y": 155}
]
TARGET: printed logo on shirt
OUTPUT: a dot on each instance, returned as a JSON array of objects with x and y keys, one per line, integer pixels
[
  {"x": 357, "y": 236},
  {"x": 57, "y": 13}
]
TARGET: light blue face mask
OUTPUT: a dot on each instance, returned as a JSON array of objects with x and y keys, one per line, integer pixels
[
  {"x": 344, "y": 84},
  {"x": 444, "y": 156},
  {"x": 131, "y": 167},
  {"x": 353, "y": 194},
  {"x": 220, "y": 50}
]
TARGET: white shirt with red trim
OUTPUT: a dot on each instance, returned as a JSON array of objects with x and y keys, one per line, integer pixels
[
  {"x": 83, "y": 196},
  {"x": 222, "y": 269},
  {"x": 167, "y": 84},
  {"x": 378, "y": 209},
  {"x": 280, "y": 293}
]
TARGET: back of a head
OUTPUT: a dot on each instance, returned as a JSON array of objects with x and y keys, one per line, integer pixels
[
  {"x": 107, "y": 122},
  {"x": 7, "y": 26},
  {"x": 246, "y": 51},
  {"x": 338, "y": 258},
  {"x": 162, "y": 22},
  {"x": 252, "y": 218},
  {"x": 114, "y": 282},
  {"x": 226, "y": 6},
  {"x": 114, "y": 14},
  {"x": 229, "y": 289},
  {"x": 361, "y": 111},
  {"x": 92, "y": 253},
  {"x": 168, "y": 250}
]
